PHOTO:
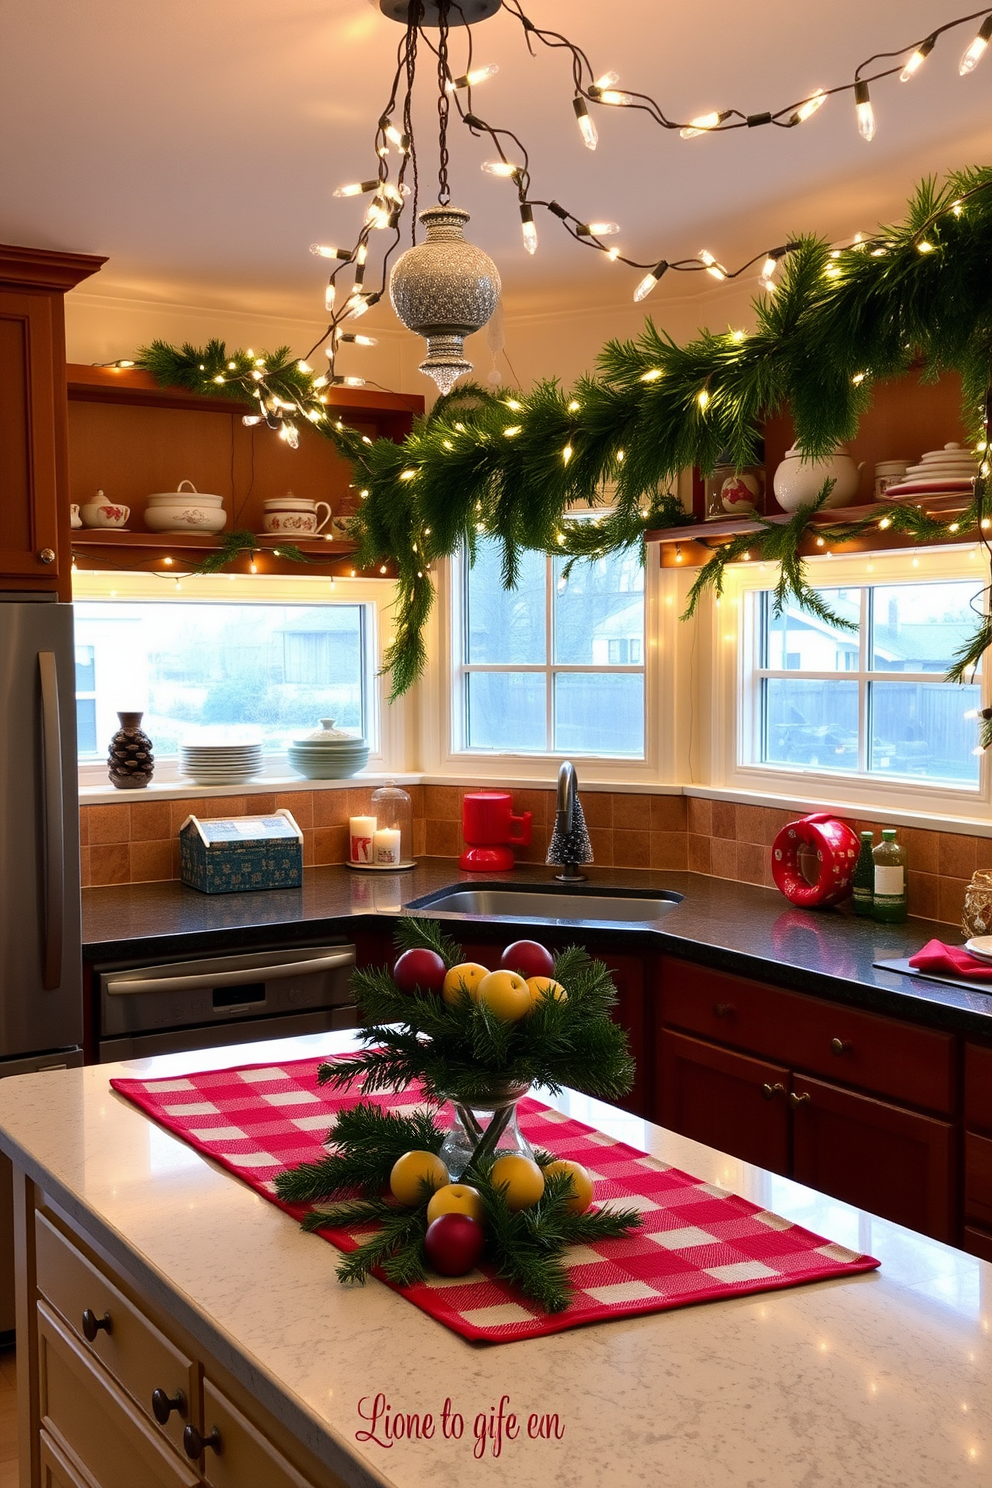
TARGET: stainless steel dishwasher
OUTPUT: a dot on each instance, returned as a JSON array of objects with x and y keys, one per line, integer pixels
[{"x": 194, "y": 1004}]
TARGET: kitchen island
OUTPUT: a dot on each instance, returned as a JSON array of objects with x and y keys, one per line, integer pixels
[{"x": 882, "y": 1379}]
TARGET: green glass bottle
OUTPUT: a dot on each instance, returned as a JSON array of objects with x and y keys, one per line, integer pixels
[
  {"x": 890, "y": 902},
  {"x": 863, "y": 882}
]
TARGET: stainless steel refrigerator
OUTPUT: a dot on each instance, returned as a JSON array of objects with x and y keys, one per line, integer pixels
[{"x": 41, "y": 997}]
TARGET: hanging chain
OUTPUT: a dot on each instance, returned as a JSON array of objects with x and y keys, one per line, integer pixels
[
  {"x": 416, "y": 11},
  {"x": 443, "y": 105}
]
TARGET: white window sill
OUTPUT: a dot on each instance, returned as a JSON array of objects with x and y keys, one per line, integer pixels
[{"x": 265, "y": 785}]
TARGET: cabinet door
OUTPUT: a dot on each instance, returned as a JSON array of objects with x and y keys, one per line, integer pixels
[
  {"x": 241, "y": 1456},
  {"x": 882, "y": 1158},
  {"x": 978, "y": 1087},
  {"x": 726, "y": 1100},
  {"x": 978, "y": 1178},
  {"x": 56, "y": 1469},
  {"x": 28, "y": 441}
]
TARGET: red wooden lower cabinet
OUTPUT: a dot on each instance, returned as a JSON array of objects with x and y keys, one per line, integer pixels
[
  {"x": 881, "y": 1157},
  {"x": 726, "y": 1100}
]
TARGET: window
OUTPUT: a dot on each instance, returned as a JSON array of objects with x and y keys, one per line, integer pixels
[
  {"x": 552, "y": 666},
  {"x": 257, "y": 670},
  {"x": 870, "y": 701}
]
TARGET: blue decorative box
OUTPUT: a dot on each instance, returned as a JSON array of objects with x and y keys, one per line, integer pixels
[{"x": 230, "y": 855}]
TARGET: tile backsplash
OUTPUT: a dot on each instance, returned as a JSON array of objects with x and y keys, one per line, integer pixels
[{"x": 136, "y": 841}]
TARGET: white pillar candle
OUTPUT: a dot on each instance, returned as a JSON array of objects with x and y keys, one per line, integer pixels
[
  {"x": 386, "y": 845},
  {"x": 361, "y": 831}
]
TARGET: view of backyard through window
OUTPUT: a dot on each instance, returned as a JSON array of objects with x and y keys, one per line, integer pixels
[
  {"x": 554, "y": 665},
  {"x": 263, "y": 673},
  {"x": 872, "y": 699}
]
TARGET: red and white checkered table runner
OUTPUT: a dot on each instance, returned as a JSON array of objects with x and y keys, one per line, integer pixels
[{"x": 697, "y": 1243}]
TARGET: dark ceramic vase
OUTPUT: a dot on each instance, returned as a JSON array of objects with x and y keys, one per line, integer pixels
[{"x": 130, "y": 763}]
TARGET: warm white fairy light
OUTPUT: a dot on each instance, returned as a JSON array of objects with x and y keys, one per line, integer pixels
[
  {"x": 703, "y": 399},
  {"x": 701, "y": 124},
  {"x": 924, "y": 247},
  {"x": 512, "y": 431},
  {"x": 567, "y": 453},
  {"x": 597, "y": 229},
  {"x": 976, "y": 50},
  {"x": 401, "y": 141},
  {"x": 406, "y": 475},
  {"x": 587, "y": 129},
  {"x": 574, "y": 406},
  {"x": 652, "y": 375},
  {"x": 917, "y": 59},
  {"x": 527, "y": 225},
  {"x": 472, "y": 79},
  {"x": 806, "y": 110},
  {"x": 503, "y": 168},
  {"x": 864, "y": 110},
  {"x": 712, "y": 266},
  {"x": 357, "y": 188},
  {"x": 320, "y": 250},
  {"x": 649, "y": 281}
]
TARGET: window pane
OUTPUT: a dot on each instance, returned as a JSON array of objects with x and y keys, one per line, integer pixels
[
  {"x": 260, "y": 671},
  {"x": 917, "y": 728},
  {"x": 596, "y": 713},
  {"x": 919, "y": 627},
  {"x": 505, "y": 625},
  {"x": 506, "y": 710},
  {"x": 84, "y": 669},
  {"x": 795, "y": 641},
  {"x": 810, "y": 723},
  {"x": 599, "y": 616},
  {"x": 86, "y": 742}
]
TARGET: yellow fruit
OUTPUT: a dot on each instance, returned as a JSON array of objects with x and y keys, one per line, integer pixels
[
  {"x": 581, "y": 1184},
  {"x": 542, "y": 986},
  {"x": 468, "y": 972},
  {"x": 456, "y": 1198},
  {"x": 523, "y": 1179},
  {"x": 410, "y": 1169},
  {"x": 505, "y": 994}
]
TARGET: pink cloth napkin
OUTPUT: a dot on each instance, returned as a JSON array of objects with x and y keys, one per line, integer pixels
[{"x": 948, "y": 960}]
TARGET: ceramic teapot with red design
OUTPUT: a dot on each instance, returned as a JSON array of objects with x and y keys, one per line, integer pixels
[{"x": 823, "y": 840}]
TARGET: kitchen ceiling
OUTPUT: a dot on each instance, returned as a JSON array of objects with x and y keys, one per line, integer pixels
[{"x": 198, "y": 144}]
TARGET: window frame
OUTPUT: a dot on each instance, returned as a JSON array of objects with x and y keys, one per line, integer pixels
[
  {"x": 736, "y": 687},
  {"x": 442, "y": 731},
  {"x": 387, "y": 726}
]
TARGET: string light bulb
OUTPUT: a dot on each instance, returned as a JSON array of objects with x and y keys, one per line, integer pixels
[
  {"x": 356, "y": 188},
  {"x": 504, "y": 168},
  {"x": 597, "y": 229},
  {"x": 806, "y": 110},
  {"x": 472, "y": 79},
  {"x": 976, "y": 51},
  {"x": 712, "y": 266},
  {"x": 401, "y": 141},
  {"x": 865, "y": 112},
  {"x": 917, "y": 60},
  {"x": 649, "y": 281},
  {"x": 354, "y": 338},
  {"x": 587, "y": 129},
  {"x": 321, "y": 250},
  {"x": 330, "y": 295},
  {"x": 702, "y": 124},
  {"x": 528, "y": 227}
]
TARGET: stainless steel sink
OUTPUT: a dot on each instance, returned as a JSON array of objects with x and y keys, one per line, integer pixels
[{"x": 561, "y": 906}]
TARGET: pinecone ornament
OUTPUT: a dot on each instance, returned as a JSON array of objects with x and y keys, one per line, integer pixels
[{"x": 130, "y": 762}]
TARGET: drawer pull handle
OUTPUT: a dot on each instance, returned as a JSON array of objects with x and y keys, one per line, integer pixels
[
  {"x": 163, "y": 1405},
  {"x": 194, "y": 1444},
  {"x": 800, "y": 1100},
  {"x": 723, "y": 1009},
  {"x": 838, "y": 1046},
  {"x": 92, "y": 1324},
  {"x": 770, "y": 1091}
]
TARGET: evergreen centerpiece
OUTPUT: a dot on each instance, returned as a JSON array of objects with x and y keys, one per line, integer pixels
[{"x": 479, "y": 1039}]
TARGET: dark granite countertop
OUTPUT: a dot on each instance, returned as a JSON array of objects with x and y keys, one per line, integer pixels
[{"x": 732, "y": 926}]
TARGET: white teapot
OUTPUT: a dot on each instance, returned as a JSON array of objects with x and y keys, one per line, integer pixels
[{"x": 798, "y": 482}]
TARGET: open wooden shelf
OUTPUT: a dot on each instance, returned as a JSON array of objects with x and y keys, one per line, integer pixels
[
  {"x": 696, "y": 541},
  {"x": 174, "y": 553}
]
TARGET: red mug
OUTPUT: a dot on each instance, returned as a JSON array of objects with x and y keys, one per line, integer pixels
[{"x": 490, "y": 829}]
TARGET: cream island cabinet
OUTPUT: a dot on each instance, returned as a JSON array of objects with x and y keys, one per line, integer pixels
[{"x": 165, "y": 1308}]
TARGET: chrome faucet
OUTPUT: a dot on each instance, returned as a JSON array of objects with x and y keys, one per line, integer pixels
[{"x": 570, "y": 845}]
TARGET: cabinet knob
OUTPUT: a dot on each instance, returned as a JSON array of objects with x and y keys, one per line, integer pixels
[
  {"x": 163, "y": 1405},
  {"x": 770, "y": 1091},
  {"x": 800, "y": 1100},
  {"x": 92, "y": 1324},
  {"x": 47, "y": 555},
  {"x": 723, "y": 1009},
  {"x": 194, "y": 1444},
  {"x": 838, "y": 1046}
]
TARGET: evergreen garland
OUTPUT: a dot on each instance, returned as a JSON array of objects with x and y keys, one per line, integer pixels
[
  {"x": 234, "y": 544},
  {"x": 510, "y": 465}
]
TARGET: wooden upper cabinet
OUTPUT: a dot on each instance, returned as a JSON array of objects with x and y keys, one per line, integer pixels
[{"x": 34, "y": 514}]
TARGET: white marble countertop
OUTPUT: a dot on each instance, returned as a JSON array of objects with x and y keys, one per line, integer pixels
[{"x": 883, "y": 1380}]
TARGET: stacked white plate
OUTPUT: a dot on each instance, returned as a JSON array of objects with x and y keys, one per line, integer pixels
[
  {"x": 952, "y": 468},
  {"x": 980, "y": 946},
  {"x": 220, "y": 764}
]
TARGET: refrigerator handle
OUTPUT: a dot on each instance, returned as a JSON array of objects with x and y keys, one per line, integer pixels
[{"x": 51, "y": 736}]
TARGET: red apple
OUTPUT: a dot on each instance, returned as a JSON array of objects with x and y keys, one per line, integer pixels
[
  {"x": 454, "y": 1244},
  {"x": 422, "y": 971},
  {"x": 527, "y": 959}
]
